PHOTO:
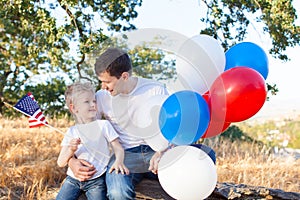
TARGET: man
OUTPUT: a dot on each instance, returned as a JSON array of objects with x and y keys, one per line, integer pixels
[{"x": 120, "y": 98}]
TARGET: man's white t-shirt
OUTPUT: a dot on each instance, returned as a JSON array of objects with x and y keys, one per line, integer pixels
[
  {"x": 121, "y": 110},
  {"x": 95, "y": 148}
]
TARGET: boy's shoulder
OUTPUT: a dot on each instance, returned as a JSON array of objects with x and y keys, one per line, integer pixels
[
  {"x": 102, "y": 92},
  {"x": 104, "y": 123}
]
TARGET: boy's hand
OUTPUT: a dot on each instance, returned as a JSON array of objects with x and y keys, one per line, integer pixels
[
  {"x": 73, "y": 145},
  {"x": 119, "y": 167}
]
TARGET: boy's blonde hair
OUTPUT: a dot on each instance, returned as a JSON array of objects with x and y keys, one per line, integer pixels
[{"x": 75, "y": 89}]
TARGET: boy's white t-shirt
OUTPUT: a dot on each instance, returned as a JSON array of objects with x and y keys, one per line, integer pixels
[
  {"x": 121, "y": 110},
  {"x": 95, "y": 148}
]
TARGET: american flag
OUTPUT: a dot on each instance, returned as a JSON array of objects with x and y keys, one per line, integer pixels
[{"x": 29, "y": 106}]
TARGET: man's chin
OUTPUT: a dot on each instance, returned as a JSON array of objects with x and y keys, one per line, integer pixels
[{"x": 112, "y": 93}]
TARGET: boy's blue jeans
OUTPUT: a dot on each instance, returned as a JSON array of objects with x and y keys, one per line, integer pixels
[
  {"x": 94, "y": 189},
  {"x": 122, "y": 187}
]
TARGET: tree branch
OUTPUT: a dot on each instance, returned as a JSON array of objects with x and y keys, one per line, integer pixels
[
  {"x": 2, "y": 48},
  {"x": 80, "y": 30}
]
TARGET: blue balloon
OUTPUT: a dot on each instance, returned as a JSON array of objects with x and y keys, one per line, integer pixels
[
  {"x": 184, "y": 117},
  {"x": 248, "y": 54}
]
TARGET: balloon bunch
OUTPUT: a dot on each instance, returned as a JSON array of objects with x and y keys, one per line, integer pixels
[
  {"x": 216, "y": 89},
  {"x": 231, "y": 83},
  {"x": 240, "y": 91}
]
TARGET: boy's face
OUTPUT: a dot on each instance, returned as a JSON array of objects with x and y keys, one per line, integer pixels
[
  {"x": 85, "y": 107},
  {"x": 111, "y": 83}
]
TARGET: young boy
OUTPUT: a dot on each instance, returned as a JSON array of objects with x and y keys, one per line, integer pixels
[{"x": 88, "y": 140}]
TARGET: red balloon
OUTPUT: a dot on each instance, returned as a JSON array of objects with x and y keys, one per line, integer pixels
[
  {"x": 215, "y": 128},
  {"x": 206, "y": 96},
  {"x": 237, "y": 94}
]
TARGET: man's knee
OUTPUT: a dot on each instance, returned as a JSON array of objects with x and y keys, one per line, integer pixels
[
  {"x": 120, "y": 186},
  {"x": 120, "y": 194}
]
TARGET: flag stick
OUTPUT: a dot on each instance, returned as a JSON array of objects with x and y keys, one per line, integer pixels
[{"x": 8, "y": 105}]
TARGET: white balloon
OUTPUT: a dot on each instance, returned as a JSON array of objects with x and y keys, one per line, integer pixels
[
  {"x": 214, "y": 50},
  {"x": 187, "y": 173},
  {"x": 191, "y": 76},
  {"x": 200, "y": 60},
  {"x": 157, "y": 142},
  {"x": 149, "y": 121},
  {"x": 148, "y": 113},
  {"x": 145, "y": 122}
]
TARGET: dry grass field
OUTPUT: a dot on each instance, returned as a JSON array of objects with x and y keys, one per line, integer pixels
[{"x": 29, "y": 171}]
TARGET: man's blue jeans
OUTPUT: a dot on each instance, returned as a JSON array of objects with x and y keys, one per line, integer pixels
[
  {"x": 122, "y": 187},
  {"x": 94, "y": 189}
]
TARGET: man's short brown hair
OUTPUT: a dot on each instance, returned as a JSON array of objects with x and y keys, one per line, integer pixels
[{"x": 114, "y": 61}]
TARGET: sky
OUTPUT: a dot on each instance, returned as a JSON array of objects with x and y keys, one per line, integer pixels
[{"x": 183, "y": 16}]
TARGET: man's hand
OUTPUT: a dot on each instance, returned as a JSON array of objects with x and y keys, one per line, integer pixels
[
  {"x": 154, "y": 162},
  {"x": 82, "y": 169}
]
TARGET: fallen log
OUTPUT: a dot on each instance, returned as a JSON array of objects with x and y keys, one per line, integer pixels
[{"x": 151, "y": 190}]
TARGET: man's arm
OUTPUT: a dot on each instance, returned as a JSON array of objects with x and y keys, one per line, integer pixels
[
  {"x": 156, "y": 158},
  {"x": 82, "y": 169},
  {"x": 154, "y": 162}
]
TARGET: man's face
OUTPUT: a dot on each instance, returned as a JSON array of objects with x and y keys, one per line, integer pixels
[{"x": 110, "y": 83}]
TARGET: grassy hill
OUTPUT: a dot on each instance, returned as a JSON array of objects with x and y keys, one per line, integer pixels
[{"x": 29, "y": 171}]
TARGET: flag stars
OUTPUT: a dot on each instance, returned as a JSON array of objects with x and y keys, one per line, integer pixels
[{"x": 27, "y": 105}]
